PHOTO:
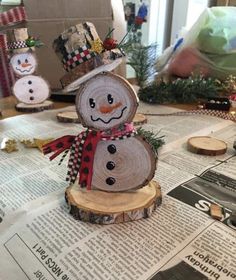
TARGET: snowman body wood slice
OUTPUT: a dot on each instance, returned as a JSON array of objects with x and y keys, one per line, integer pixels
[{"x": 30, "y": 90}]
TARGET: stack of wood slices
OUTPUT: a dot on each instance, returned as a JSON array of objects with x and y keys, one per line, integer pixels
[{"x": 110, "y": 167}]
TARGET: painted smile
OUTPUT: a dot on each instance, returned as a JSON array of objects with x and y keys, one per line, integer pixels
[
  {"x": 22, "y": 71},
  {"x": 113, "y": 118}
]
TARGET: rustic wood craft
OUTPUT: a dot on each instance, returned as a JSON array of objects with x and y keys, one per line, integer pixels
[
  {"x": 110, "y": 208},
  {"x": 68, "y": 117},
  {"x": 206, "y": 145},
  {"x": 111, "y": 165},
  {"x": 110, "y": 160},
  {"x": 83, "y": 55},
  {"x": 28, "y": 89},
  {"x": 34, "y": 108}
]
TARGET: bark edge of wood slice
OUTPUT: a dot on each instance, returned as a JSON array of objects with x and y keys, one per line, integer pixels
[
  {"x": 206, "y": 145},
  {"x": 68, "y": 117},
  {"x": 101, "y": 207},
  {"x": 34, "y": 108},
  {"x": 139, "y": 119}
]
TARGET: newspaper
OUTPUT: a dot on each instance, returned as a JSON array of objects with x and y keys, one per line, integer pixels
[{"x": 40, "y": 240}]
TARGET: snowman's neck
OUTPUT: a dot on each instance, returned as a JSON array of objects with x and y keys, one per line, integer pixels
[{"x": 118, "y": 130}]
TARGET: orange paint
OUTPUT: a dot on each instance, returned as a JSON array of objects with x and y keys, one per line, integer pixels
[
  {"x": 25, "y": 65},
  {"x": 109, "y": 109}
]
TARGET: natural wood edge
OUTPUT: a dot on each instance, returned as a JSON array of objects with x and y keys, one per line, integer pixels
[
  {"x": 26, "y": 108},
  {"x": 67, "y": 119},
  {"x": 82, "y": 213},
  {"x": 139, "y": 119},
  {"x": 204, "y": 151}
]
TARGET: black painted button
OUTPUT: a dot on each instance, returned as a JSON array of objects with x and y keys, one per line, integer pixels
[
  {"x": 110, "y": 181},
  {"x": 85, "y": 170},
  {"x": 71, "y": 139},
  {"x": 111, "y": 149},
  {"x": 29, "y": 82},
  {"x": 31, "y": 91},
  {"x": 89, "y": 147},
  {"x": 94, "y": 133},
  {"x": 31, "y": 98},
  {"x": 110, "y": 165},
  {"x": 87, "y": 159},
  {"x": 59, "y": 145}
]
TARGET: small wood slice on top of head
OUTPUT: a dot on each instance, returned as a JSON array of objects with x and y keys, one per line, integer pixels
[
  {"x": 34, "y": 108},
  {"x": 139, "y": 119},
  {"x": 68, "y": 117},
  {"x": 206, "y": 145},
  {"x": 109, "y": 208}
]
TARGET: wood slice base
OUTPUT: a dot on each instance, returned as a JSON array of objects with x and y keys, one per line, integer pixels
[
  {"x": 110, "y": 208},
  {"x": 206, "y": 145},
  {"x": 139, "y": 119},
  {"x": 34, "y": 108},
  {"x": 68, "y": 117}
]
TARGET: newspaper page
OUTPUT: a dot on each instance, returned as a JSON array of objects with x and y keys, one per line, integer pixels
[{"x": 40, "y": 240}]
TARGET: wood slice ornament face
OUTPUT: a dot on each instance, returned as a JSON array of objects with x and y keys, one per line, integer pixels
[
  {"x": 106, "y": 101},
  {"x": 23, "y": 64},
  {"x": 31, "y": 89}
]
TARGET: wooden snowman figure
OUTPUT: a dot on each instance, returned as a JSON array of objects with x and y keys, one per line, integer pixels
[
  {"x": 30, "y": 90},
  {"x": 110, "y": 168}
]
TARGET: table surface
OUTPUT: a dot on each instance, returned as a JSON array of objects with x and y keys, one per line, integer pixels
[{"x": 7, "y": 107}]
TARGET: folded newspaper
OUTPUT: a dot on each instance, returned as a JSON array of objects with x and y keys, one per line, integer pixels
[{"x": 40, "y": 240}]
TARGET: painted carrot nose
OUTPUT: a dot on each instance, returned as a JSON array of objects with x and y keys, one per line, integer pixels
[
  {"x": 109, "y": 109},
  {"x": 25, "y": 65}
]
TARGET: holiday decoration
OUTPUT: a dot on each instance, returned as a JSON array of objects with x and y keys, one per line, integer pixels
[
  {"x": 83, "y": 54},
  {"x": 189, "y": 90},
  {"x": 30, "y": 90},
  {"x": 9, "y": 145},
  {"x": 111, "y": 166}
]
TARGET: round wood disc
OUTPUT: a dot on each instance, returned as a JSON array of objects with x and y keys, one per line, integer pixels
[
  {"x": 34, "y": 108},
  {"x": 139, "y": 119},
  {"x": 123, "y": 164},
  {"x": 108, "y": 208},
  {"x": 31, "y": 89},
  {"x": 206, "y": 145},
  {"x": 68, "y": 117},
  {"x": 106, "y": 101}
]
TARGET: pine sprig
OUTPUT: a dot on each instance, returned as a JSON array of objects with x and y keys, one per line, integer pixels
[
  {"x": 181, "y": 90},
  {"x": 154, "y": 140}
]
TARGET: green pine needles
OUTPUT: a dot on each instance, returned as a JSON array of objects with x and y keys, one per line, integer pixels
[
  {"x": 152, "y": 138},
  {"x": 187, "y": 90}
]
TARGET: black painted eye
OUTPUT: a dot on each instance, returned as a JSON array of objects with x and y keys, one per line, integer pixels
[
  {"x": 26, "y": 60},
  {"x": 91, "y": 102},
  {"x": 19, "y": 62},
  {"x": 110, "y": 99}
]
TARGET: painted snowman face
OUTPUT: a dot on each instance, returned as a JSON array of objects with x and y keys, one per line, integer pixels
[
  {"x": 23, "y": 63},
  {"x": 31, "y": 89},
  {"x": 106, "y": 101}
]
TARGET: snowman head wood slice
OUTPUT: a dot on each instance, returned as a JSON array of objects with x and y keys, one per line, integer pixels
[
  {"x": 31, "y": 89},
  {"x": 106, "y": 101},
  {"x": 23, "y": 64}
]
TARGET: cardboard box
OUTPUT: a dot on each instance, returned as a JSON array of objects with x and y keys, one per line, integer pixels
[{"x": 48, "y": 19}]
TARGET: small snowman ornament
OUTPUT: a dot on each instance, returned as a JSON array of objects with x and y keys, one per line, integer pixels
[
  {"x": 30, "y": 90},
  {"x": 110, "y": 168}
]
